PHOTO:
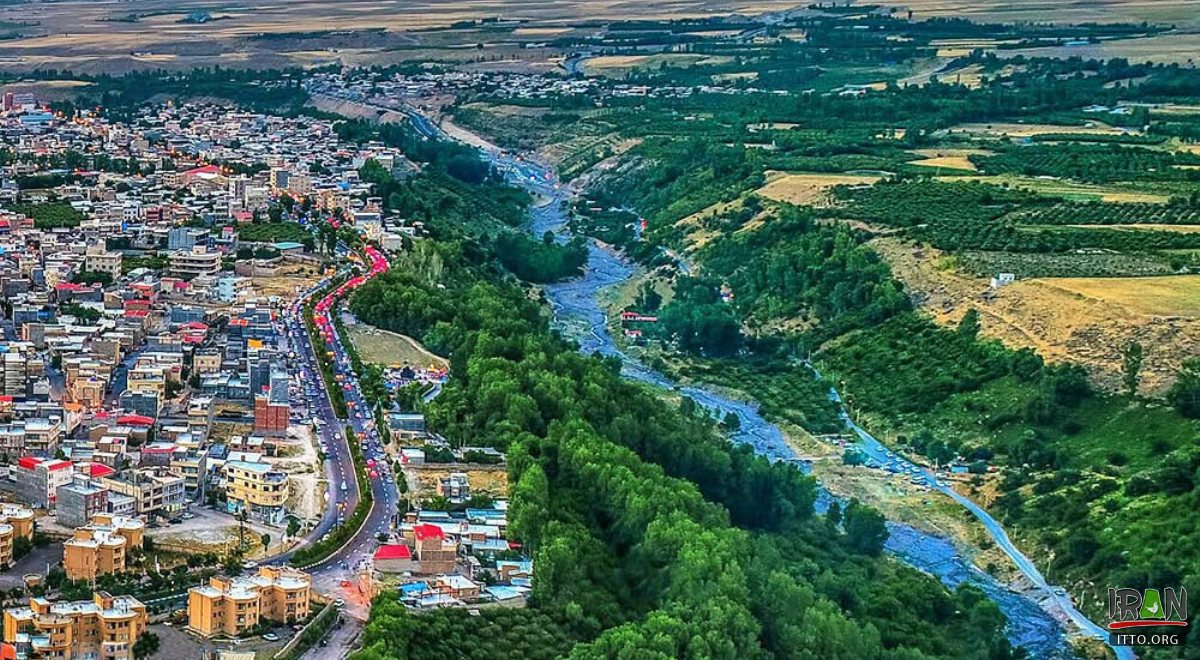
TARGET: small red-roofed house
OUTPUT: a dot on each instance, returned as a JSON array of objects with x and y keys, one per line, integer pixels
[{"x": 394, "y": 558}]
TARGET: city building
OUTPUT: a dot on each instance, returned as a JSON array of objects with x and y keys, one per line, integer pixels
[
  {"x": 256, "y": 488},
  {"x": 38, "y": 480},
  {"x": 100, "y": 260},
  {"x": 105, "y": 627},
  {"x": 155, "y": 491},
  {"x": 78, "y": 501},
  {"x": 15, "y": 522},
  {"x": 101, "y": 547},
  {"x": 435, "y": 552},
  {"x": 270, "y": 417},
  {"x": 233, "y": 605},
  {"x": 455, "y": 487},
  {"x": 196, "y": 261}
]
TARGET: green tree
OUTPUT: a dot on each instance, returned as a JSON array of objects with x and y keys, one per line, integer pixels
[
  {"x": 1132, "y": 367},
  {"x": 1185, "y": 393},
  {"x": 968, "y": 327},
  {"x": 865, "y": 528},
  {"x": 833, "y": 515},
  {"x": 146, "y": 645},
  {"x": 266, "y": 541}
]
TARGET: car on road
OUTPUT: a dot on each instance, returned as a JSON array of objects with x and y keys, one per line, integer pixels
[
  {"x": 339, "y": 602},
  {"x": 270, "y": 637}
]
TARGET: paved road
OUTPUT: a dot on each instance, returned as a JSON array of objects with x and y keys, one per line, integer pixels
[
  {"x": 336, "y": 575},
  {"x": 338, "y": 644}
]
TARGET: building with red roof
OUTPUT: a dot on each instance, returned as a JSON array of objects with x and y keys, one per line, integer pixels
[
  {"x": 38, "y": 480},
  {"x": 435, "y": 552},
  {"x": 394, "y": 558},
  {"x": 135, "y": 420}
]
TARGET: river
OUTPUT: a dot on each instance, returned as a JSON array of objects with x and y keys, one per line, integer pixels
[
  {"x": 580, "y": 317},
  {"x": 1035, "y": 618}
]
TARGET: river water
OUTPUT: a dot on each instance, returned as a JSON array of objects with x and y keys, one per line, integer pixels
[{"x": 580, "y": 317}]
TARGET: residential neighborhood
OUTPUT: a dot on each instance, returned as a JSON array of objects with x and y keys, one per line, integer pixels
[{"x": 167, "y": 428}]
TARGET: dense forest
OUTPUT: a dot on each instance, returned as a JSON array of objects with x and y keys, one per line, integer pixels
[
  {"x": 755, "y": 287},
  {"x": 651, "y": 533}
]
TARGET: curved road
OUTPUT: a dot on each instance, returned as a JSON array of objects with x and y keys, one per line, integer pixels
[{"x": 337, "y": 574}]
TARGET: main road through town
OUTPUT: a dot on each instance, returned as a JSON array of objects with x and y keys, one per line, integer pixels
[{"x": 337, "y": 575}]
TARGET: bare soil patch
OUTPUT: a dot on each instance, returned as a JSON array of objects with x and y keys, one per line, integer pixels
[{"x": 1087, "y": 321}]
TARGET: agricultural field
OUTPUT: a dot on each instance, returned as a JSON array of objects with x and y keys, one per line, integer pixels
[
  {"x": 1018, "y": 130},
  {"x": 1177, "y": 12},
  {"x": 619, "y": 65},
  {"x": 948, "y": 159},
  {"x": 805, "y": 189},
  {"x": 1174, "y": 296},
  {"x": 151, "y": 34},
  {"x": 1082, "y": 320},
  {"x": 1071, "y": 190}
]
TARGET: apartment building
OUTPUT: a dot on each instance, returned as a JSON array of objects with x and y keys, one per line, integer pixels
[
  {"x": 270, "y": 417},
  {"x": 15, "y": 522},
  {"x": 15, "y": 374},
  {"x": 256, "y": 488},
  {"x": 155, "y": 491},
  {"x": 231, "y": 606},
  {"x": 80, "y": 500},
  {"x": 101, "y": 547},
  {"x": 105, "y": 627},
  {"x": 100, "y": 260},
  {"x": 197, "y": 261},
  {"x": 38, "y": 480},
  {"x": 192, "y": 465}
]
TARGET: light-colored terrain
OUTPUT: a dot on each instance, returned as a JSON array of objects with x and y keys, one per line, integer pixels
[
  {"x": 1068, "y": 189},
  {"x": 808, "y": 189},
  {"x": 1088, "y": 321},
  {"x": 1170, "y": 12},
  {"x": 118, "y": 36},
  {"x": 388, "y": 348},
  {"x": 953, "y": 159}
]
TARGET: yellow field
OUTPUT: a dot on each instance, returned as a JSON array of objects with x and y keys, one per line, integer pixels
[
  {"x": 619, "y": 65},
  {"x": 97, "y": 37},
  {"x": 492, "y": 480},
  {"x": 1066, "y": 189},
  {"x": 1178, "y": 12},
  {"x": 1159, "y": 49},
  {"x": 1172, "y": 295},
  {"x": 955, "y": 159},
  {"x": 540, "y": 31},
  {"x": 1175, "y": 109},
  {"x": 970, "y": 76},
  {"x": 808, "y": 189},
  {"x": 388, "y": 348},
  {"x": 1000, "y": 129},
  {"x": 1082, "y": 321}
]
